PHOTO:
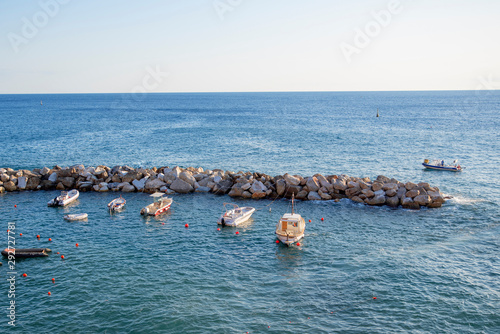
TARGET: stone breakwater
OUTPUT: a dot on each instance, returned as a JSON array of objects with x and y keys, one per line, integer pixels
[{"x": 382, "y": 191}]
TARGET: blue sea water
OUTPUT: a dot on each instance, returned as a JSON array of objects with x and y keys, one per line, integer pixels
[{"x": 431, "y": 271}]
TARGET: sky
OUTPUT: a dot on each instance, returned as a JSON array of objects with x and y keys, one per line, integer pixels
[{"x": 69, "y": 46}]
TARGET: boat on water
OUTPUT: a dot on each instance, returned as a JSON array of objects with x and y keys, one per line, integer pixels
[
  {"x": 65, "y": 198},
  {"x": 236, "y": 215},
  {"x": 440, "y": 165},
  {"x": 76, "y": 216},
  {"x": 117, "y": 204},
  {"x": 290, "y": 227},
  {"x": 161, "y": 204},
  {"x": 26, "y": 252}
]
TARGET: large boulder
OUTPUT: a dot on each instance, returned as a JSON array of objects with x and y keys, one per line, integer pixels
[
  {"x": 128, "y": 188},
  {"x": 376, "y": 200},
  {"x": 21, "y": 182},
  {"x": 53, "y": 177},
  {"x": 408, "y": 203},
  {"x": 131, "y": 176},
  {"x": 410, "y": 185},
  {"x": 340, "y": 184},
  {"x": 291, "y": 180},
  {"x": 187, "y": 177},
  {"x": 422, "y": 200},
  {"x": 257, "y": 187},
  {"x": 154, "y": 184},
  {"x": 313, "y": 196},
  {"x": 324, "y": 194},
  {"x": 292, "y": 190},
  {"x": 312, "y": 184},
  {"x": 181, "y": 186},
  {"x": 33, "y": 183},
  {"x": 67, "y": 181},
  {"x": 9, "y": 186},
  {"x": 280, "y": 187},
  {"x": 412, "y": 193},
  {"x": 392, "y": 201},
  {"x": 139, "y": 184},
  {"x": 368, "y": 193},
  {"x": 377, "y": 186},
  {"x": 5, "y": 177}
]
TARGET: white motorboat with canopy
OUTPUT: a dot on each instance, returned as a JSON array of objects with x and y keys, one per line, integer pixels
[
  {"x": 236, "y": 215},
  {"x": 161, "y": 204}
]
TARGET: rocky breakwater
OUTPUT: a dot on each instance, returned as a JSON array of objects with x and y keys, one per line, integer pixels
[{"x": 382, "y": 191}]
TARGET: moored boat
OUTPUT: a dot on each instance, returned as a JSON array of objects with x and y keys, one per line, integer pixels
[
  {"x": 160, "y": 205},
  {"x": 76, "y": 216},
  {"x": 65, "y": 198},
  {"x": 236, "y": 215},
  {"x": 117, "y": 204},
  {"x": 290, "y": 227},
  {"x": 26, "y": 252},
  {"x": 440, "y": 165}
]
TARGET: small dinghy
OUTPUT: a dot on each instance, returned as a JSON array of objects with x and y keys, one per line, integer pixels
[
  {"x": 26, "y": 252},
  {"x": 235, "y": 216},
  {"x": 440, "y": 165},
  {"x": 76, "y": 216},
  {"x": 290, "y": 227},
  {"x": 160, "y": 205},
  {"x": 117, "y": 204},
  {"x": 65, "y": 198}
]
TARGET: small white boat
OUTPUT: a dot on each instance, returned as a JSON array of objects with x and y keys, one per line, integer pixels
[
  {"x": 440, "y": 165},
  {"x": 76, "y": 216},
  {"x": 117, "y": 204},
  {"x": 160, "y": 205},
  {"x": 65, "y": 198},
  {"x": 235, "y": 216},
  {"x": 290, "y": 227}
]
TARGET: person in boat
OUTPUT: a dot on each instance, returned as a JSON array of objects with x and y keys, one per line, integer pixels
[{"x": 442, "y": 163}]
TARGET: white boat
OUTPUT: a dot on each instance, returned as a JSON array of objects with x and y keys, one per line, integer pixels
[
  {"x": 160, "y": 205},
  {"x": 65, "y": 198},
  {"x": 76, "y": 216},
  {"x": 440, "y": 165},
  {"x": 290, "y": 227},
  {"x": 117, "y": 204},
  {"x": 236, "y": 215}
]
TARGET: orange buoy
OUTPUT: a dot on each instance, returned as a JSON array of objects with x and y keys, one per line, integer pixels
[
  {"x": 38, "y": 236},
  {"x": 57, "y": 253},
  {"x": 49, "y": 293},
  {"x": 237, "y": 232},
  {"x": 50, "y": 239},
  {"x": 322, "y": 218},
  {"x": 8, "y": 231},
  {"x": 186, "y": 226},
  {"x": 24, "y": 275},
  {"x": 374, "y": 297},
  {"x": 53, "y": 280},
  {"x": 15, "y": 205},
  {"x": 218, "y": 229},
  {"x": 76, "y": 244},
  {"x": 298, "y": 243},
  {"x": 309, "y": 220},
  {"x": 20, "y": 234},
  {"x": 62, "y": 257}
]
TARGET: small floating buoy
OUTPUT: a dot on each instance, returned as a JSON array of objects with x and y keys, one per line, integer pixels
[
  {"x": 277, "y": 241},
  {"x": 76, "y": 244},
  {"x": 298, "y": 243},
  {"x": 322, "y": 218},
  {"x": 374, "y": 297},
  {"x": 163, "y": 223},
  {"x": 62, "y": 257},
  {"x": 49, "y": 293},
  {"x": 15, "y": 205},
  {"x": 24, "y": 275},
  {"x": 53, "y": 280},
  {"x": 38, "y": 236},
  {"x": 57, "y": 253},
  {"x": 50, "y": 239},
  {"x": 218, "y": 228},
  {"x": 186, "y": 226},
  {"x": 237, "y": 232},
  {"x": 20, "y": 234},
  {"x": 8, "y": 231},
  {"x": 309, "y": 220}
]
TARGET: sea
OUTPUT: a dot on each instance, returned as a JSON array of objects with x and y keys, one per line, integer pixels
[{"x": 359, "y": 269}]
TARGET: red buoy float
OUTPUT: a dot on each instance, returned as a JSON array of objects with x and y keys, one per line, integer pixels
[
  {"x": 53, "y": 280},
  {"x": 76, "y": 244},
  {"x": 237, "y": 232},
  {"x": 38, "y": 236},
  {"x": 322, "y": 218},
  {"x": 62, "y": 257},
  {"x": 186, "y": 226},
  {"x": 50, "y": 239},
  {"x": 298, "y": 243},
  {"x": 24, "y": 275},
  {"x": 49, "y": 293}
]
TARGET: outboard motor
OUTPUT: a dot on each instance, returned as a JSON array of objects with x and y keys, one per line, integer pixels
[{"x": 222, "y": 222}]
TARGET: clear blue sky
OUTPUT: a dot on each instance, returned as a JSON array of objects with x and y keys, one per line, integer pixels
[{"x": 247, "y": 45}]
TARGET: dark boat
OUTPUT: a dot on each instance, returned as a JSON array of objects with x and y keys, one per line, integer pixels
[{"x": 26, "y": 252}]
